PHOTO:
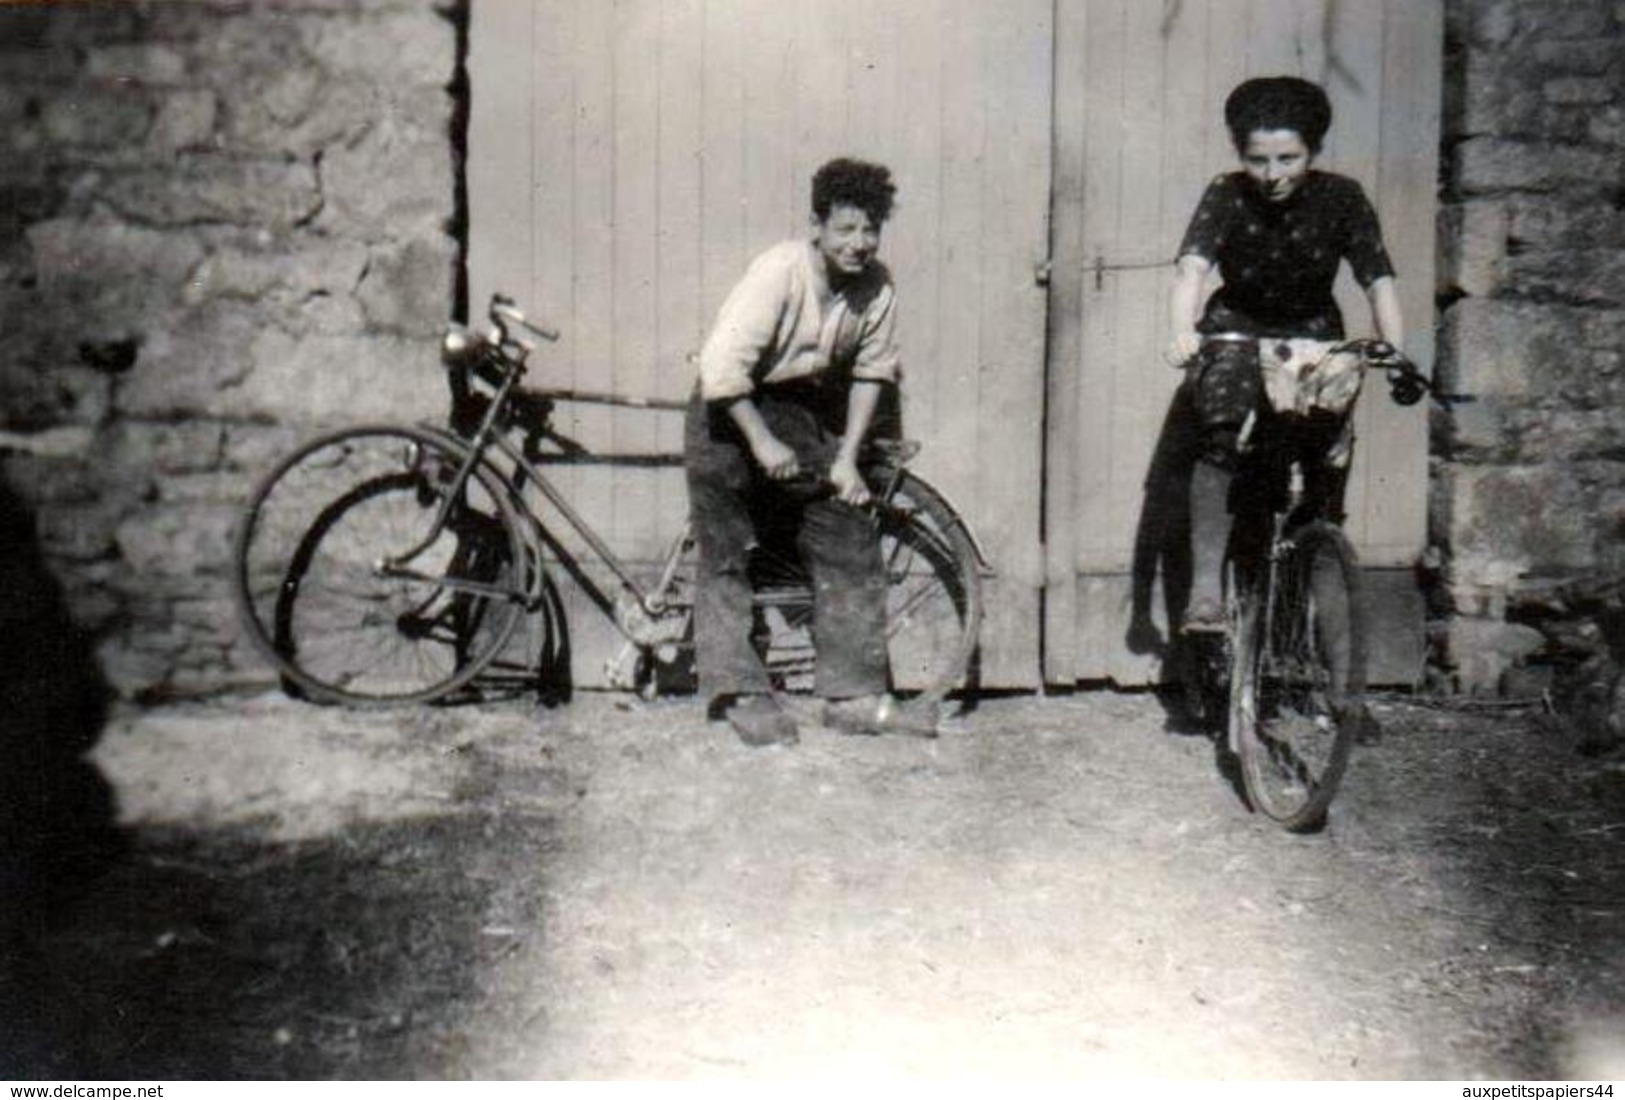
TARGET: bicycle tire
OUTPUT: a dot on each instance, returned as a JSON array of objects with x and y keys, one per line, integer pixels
[
  {"x": 314, "y": 600},
  {"x": 1299, "y": 678},
  {"x": 933, "y": 602}
]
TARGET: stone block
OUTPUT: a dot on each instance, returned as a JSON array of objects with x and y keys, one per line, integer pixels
[
  {"x": 1473, "y": 247},
  {"x": 98, "y": 118},
  {"x": 236, "y": 56},
  {"x": 162, "y": 447},
  {"x": 396, "y": 182},
  {"x": 1489, "y": 164},
  {"x": 1508, "y": 521},
  {"x": 79, "y": 532},
  {"x": 150, "y": 63},
  {"x": 35, "y": 399},
  {"x": 185, "y": 122},
  {"x": 178, "y": 540},
  {"x": 1563, "y": 19},
  {"x": 320, "y": 380},
  {"x": 1492, "y": 23},
  {"x": 1482, "y": 651},
  {"x": 1562, "y": 435},
  {"x": 1583, "y": 56},
  {"x": 1481, "y": 431},
  {"x": 415, "y": 45},
  {"x": 187, "y": 361},
  {"x": 45, "y": 480},
  {"x": 255, "y": 448},
  {"x": 207, "y": 487},
  {"x": 92, "y": 607},
  {"x": 1490, "y": 347},
  {"x": 210, "y": 187},
  {"x": 1594, "y": 276},
  {"x": 84, "y": 25},
  {"x": 34, "y": 64},
  {"x": 408, "y": 287},
  {"x": 1607, "y": 126},
  {"x": 1601, "y": 330},
  {"x": 323, "y": 315},
  {"x": 266, "y": 108},
  {"x": 104, "y": 278},
  {"x": 1584, "y": 90},
  {"x": 271, "y": 268},
  {"x": 132, "y": 670},
  {"x": 1547, "y": 222},
  {"x": 1500, "y": 96}
]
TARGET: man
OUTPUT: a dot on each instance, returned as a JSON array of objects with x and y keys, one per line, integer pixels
[{"x": 789, "y": 383}]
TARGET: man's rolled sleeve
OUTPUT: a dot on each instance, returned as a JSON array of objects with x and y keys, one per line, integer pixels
[
  {"x": 878, "y": 358},
  {"x": 745, "y": 328}
]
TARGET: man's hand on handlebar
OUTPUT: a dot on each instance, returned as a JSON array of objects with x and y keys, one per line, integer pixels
[
  {"x": 777, "y": 460},
  {"x": 848, "y": 483}
]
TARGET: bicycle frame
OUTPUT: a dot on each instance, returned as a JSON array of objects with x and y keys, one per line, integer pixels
[
  {"x": 493, "y": 434},
  {"x": 478, "y": 446}
]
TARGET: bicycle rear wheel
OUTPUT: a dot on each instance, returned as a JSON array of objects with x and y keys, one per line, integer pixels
[
  {"x": 323, "y": 599},
  {"x": 933, "y": 599},
  {"x": 1299, "y": 678}
]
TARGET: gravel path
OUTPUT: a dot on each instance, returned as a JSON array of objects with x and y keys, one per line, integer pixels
[{"x": 1057, "y": 887}]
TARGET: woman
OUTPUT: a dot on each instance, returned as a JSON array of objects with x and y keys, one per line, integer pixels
[
  {"x": 1276, "y": 231},
  {"x": 790, "y": 381}
]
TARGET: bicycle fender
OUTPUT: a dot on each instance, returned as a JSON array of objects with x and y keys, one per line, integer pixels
[{"x": 983, "y": 562}]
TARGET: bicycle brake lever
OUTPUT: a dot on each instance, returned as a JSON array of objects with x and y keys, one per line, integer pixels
[{"x": 506, "y": 310}]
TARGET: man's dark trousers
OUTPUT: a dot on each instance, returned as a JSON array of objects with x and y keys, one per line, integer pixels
[{"x": 734, "y": 506}]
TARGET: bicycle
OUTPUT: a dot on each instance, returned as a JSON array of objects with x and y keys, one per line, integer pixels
[
  {"x": 382, "y": 564},
  {"x": 1288, "y": 672}
]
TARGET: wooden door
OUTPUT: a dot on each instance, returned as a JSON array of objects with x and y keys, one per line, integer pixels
[
  {"x": 1138, "y": 133},
  {"x": 629, "y": 157}
]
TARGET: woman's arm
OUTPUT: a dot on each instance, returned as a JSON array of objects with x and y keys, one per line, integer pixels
[
  {"x": 1386, "y": 316},
  {"x": 1184, "y": 302}
]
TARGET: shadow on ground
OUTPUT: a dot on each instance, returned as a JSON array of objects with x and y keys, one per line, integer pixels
[
  {"x": 214, "y": 955},
  {"x": 1512, "y": 837}
]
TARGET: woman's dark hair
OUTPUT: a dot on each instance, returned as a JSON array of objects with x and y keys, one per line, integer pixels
[
  {"x": 1278, "y": 103},
  {"x": 847, "y": 182}
]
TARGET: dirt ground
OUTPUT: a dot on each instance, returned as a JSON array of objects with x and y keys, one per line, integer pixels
[{"x": 1057, "y": 887}]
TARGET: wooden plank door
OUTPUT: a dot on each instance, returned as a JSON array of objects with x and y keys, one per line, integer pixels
[
  {"x": 1138, "y": 133},
  {"x": 628, "y": 158}
]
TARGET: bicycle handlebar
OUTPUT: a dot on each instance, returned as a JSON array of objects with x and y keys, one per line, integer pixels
[
  {"x": 1406, "y": 383},
  {"x": 504, "y": 312}
]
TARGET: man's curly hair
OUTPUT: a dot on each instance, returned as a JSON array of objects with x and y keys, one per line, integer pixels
[
  {"x": 1278, "y": 103},
  {"x": 848, "y": 182}
]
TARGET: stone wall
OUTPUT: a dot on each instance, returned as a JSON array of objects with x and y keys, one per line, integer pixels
[
  {"x": 223, "y": 223},
  {"x": 1529, "y": 477}
]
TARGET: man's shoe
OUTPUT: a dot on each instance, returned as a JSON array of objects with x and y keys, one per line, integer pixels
[
  {"x": 871, "y": 715},
  {"x": 759, "y": 721}
]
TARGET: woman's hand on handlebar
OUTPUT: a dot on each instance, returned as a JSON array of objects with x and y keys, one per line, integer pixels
[{"x": 1182, "y": 348}]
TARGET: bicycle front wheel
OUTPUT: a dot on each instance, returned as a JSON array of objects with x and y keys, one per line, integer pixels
[
  {"x": 1299, "y": 678},
  {"x": 366, "y": 581},
  {"x": 933, "y": 599}
]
